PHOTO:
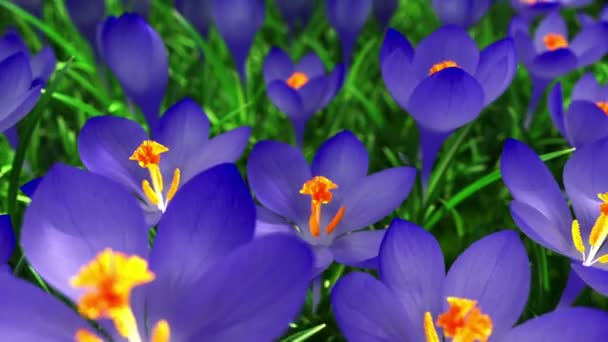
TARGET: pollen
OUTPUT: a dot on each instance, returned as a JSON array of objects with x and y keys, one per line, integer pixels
[
  {"x": 297, "y": 80},
  {"x": 148, "y": 153},
  {"x": 442, "y": 66},
  {"x": 108, "y": 281},
  {"x": 577, "y": 238},
  {"x": 603, "y": 105},
  {"x": 554, "y": 41},
  {"x": 319, "y": 188},
  {"x": 464, "y": 321}
]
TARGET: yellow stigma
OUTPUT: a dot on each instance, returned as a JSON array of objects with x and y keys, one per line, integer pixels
[
  {"x": 576, "y": 237},
  {"x": 429, "y": 328},
  {"x": 441, "y": 66},
  {"x": 603, "y": 105},
  {"x": 319, "y": 188},
  {"x": 297, "y": 80},
  {"x": 83, "y": 335},
  {"x": 597, "y": 237},
  {"x": 148, "y": 156},
  {"x": 464, "y": 321},
  {"x": 554, "y": 41},
  {"x": 161, "y": 332}
]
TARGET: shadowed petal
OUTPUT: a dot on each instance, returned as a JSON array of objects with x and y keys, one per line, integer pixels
[
  {"x": 105, "y": 144},
  {"x": 523, "y": 43},
  {"x": 375, "y": 197},
  {"x": 497, "y": 66},
  {"x": 276, "y": 173},
  {"x": 574, "y": 287},
  {"x": 28, "y": 314},
  {"x": 296, "y": 13},
  {"x": 285, "y": 98},
  {"x": 209, "y": 217},
  {"x": 31, "y": 186},
  {"x": 367, "y": 311},
  {"x": 446, "y": 100},
  {"x": 197, "y": 12},
  {"x": 490, "y": 270},
  {"x": 43, "y": 64},
  {"x": 594, "y": 277},
  {"x": 396, "y": 73},
  {"x": 411, "y": 264},
  {"x": 553, "y": 64},
  {"x": 86, "y": 15},
  {"x": 590, "y": 45},
  {"x": 7, "y": 239},
  {"x": 585, "y": 122},
  {"x": 342, "y": 158},
  {"x": 564, "y": 325},
  {"x": 463, "y": 13},
  {"x": 313, "y": 94},
  {"x": 266, "y": 280},
  {"x": 553, "y": 23},
  {"x": 277, "y": 66},
  {"x": 335, "y": 80},
  {"x": 384, "y": 10},
  {"x": 588, "y": 88},
  {"x": 15, "y": 80},
  {"x": 347, "y": 18},
  {"x": 394, "y": 40},
  {"x": 555, "y": 105},
  {"x": 267, "y": 222},
  {"x": 224, "y": 148},
  {"x": 73, "y": 216},
  {"x": 311, "y": 65},
  {"x": 358, "y": 249}
]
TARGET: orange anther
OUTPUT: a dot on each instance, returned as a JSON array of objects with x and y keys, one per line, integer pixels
[
  {"x": 442, "y": 65},
  {"x": 554, "y": 41},
  {"x": 297, "y": 80},
  {"x": 464, "y": 321}
]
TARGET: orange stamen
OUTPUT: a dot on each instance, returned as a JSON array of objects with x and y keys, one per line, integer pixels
[
  {"x": 148, "y": 153},
  {"x": 603, "y": 105},
  {"x": 554, "y": 41},
  {"x": 297, "y": 80},
  {"x": 464, "y": 321},
  {"x": 319, "y": 188},
  {"x": 441, "y": 66}
]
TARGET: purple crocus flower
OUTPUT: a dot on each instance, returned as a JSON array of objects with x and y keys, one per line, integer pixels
[
  {"x": 302, "y": 89},
  {"x": 540, "y": 210},
  {"x": 586, "y": 119},
  {"x": 445, "y": 82},
  {"x": 154, "y": 168},
  {"x": 464, "y": 13},
  {"x": 42, "y": 64},
  {"x": 137, "y": 56},
  {"x": 7, "y": 241},
  {"x": 384, "y": 10},
  {"x": 86, "y": 237},
  {"x": 480, "y": 298},
  {"x": 550, "y": 53},
  {"x": 348, "y": 17},
  {"x": 238, "y": 21},
  {"x": 325, "y": 204},
  {"x": 296, "y": 13},
  {"x": 532, "y": 8},
  {"x": 87, "y": 17},
  {"x": 197, "y": 12}
]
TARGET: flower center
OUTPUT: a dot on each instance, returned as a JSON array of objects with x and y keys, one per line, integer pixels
[
  {"x": 148, "y": 156},
  {"x": 603, "y": 106},
  {"x": 463, "y": 322},
  {"x": 597, "y": 237},
  {"x": 441, "y": 66},
  {"x": 319, "y": 188},
  {"x": 108, "y": 281},
  {"x": 554, "y": 41},
  {"x": 297, "y": 80}
]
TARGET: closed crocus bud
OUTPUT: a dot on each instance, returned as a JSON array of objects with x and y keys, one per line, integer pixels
[
  {"x": 197, "y": 12},
  {"x": 384, "y": 10},
  {"x": 296, "y": 13},
  {"x": 348, "y": 17},
  {"x": 463, "y": 13},
  {"x": 238, "y": 21},
  {"x": 137, "y": 56},
  {"x": 86, "y": 16},
  {"x": 141, "y": 7}
]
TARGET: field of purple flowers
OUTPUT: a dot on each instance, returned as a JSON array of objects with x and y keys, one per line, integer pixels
[{"x": 303, "y": 170}]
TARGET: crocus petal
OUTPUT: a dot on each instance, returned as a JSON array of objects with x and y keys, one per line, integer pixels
[
  {"x": 209, "y": 217},
  {"x": 43, "y": 64},
  {"x": 366, "y": 311},
  {"x": 335, "y": 80},
  {"x": 555, "y": 105},
  {"x": 15, "y": 80},
  {"x": 490, "y": 270},
  {"x": 590, "y": 45},
  {"x": 28, "y": 314},
  {"x": 105, "y": 144},
  {"x": 523, "y": 44},
  {"x": 74, "y": 215},
  {"x": 342, "y": 158},
  {"x": 384, "y": 10},
  {"x": 394, "y": 40},
  {"x": 584, "y": 179},
  {"x": 574, "y": 287},
  {"x": 238, "y": 21},
  {"x": 588, "y": 88},
  {"x": 446, "y": 100},
  {"x": 564, "y": 325},
  {"x": 7, "y": 239},
  {"x": 31, "y": 186},
  {"x": 463, "y": 13},
  {"x": 285, "y": 98},
  {"x": 585, "y": 19},
  {"x": 375, "y": 197},
  {"x": 497, "y": 66},
  {"x": 448, "y": 43},
  {"x": 137, "y": 56},
  {"x": 551, "y": 24},
  {"x": 347, "y": 18},
  {"x": 276, "y": 174},
  {"x": 530, "y": 182},
  {"x": 594, "y": 277},
  {"x": 358, "y": 249},
  {"x": 311, "y": 65},
  {"x": 553, "y": 64},
  {"x": 585, "y": 122},
  {"x": 267, "y": 222},
  {"x": 11, "y": 43},
  {"x": 277, "y": 66},
  {"x": 296, "y": 13},
  {"x": 197, "y": 12},
  {"x": 396, "y": 73},
  {"x": 86, "y": 15},
  {"x": 313, "y": 95},
  {"x": 266, "y": 280},
  {"x": 411, "y": 264},
  {"x": 24, "y": 105}
]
